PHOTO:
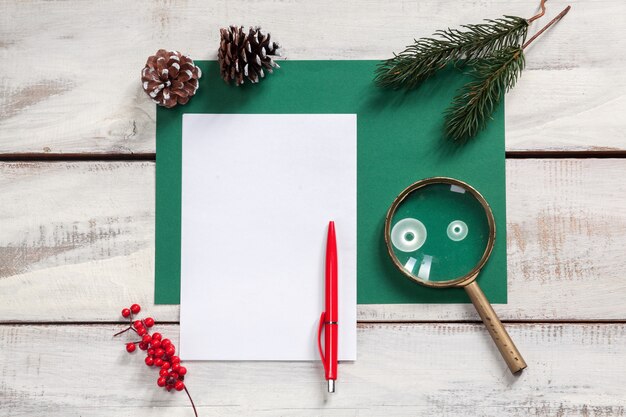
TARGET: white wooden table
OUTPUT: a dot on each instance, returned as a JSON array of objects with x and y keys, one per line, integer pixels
[{"x": 77, "y": 218}]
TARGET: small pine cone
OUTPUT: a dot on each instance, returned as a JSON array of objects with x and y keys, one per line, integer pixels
[
  {"x": 170, "y": 78},
  {"x": 246, "y": 55}
]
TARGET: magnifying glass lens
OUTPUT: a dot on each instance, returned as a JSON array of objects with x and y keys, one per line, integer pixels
[{"x": 439, "y": 232}]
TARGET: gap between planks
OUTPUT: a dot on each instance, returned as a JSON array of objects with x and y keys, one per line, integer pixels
[
  {"x": 359, "y": 322},
  {"x": 151, "y": 156}
]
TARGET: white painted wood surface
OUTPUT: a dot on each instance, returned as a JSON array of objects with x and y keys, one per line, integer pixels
[
  {"x": 70, "y": 70},
  {"x": 77, "y": 238},
  {"x": 77, "y": 243},
  {"x": 402, "y": 370}
]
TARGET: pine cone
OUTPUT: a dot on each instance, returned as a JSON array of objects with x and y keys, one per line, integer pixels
[
  {"x": 170, "y": 78},
  {"x": 246, "y": 55}
]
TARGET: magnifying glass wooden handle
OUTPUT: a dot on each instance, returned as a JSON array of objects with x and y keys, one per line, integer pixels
[{"x": 507, "y": 348}]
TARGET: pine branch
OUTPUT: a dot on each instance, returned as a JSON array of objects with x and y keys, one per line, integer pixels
[
  {"x": 476, "y": 101},
  {"x": 494, "y": 75},
  {"x": 427, "y": 55}
]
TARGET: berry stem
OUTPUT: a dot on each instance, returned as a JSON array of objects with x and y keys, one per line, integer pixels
[
  {"x": 123, "y": 331},
  {"x": 192, "y": 404},
  {"x": 130, "y": 326}
]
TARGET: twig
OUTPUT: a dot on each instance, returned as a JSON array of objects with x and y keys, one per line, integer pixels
[
  {"x": 541, "y": 13},
  {"x": 192, "y": 404},
  {"x": 125, "y": 330},
  {"x": 543, "y": 29},
  {"x": 130, "y": 326}
]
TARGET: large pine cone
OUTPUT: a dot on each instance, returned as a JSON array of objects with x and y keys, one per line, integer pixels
[
  {"x": 246, "y": 55},
  {"x": 170, "y": 78}
]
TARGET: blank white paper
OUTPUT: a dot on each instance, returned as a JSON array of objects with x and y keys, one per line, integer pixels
[{"x": 258, "y": 191}]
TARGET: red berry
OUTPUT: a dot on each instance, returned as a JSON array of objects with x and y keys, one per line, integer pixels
[
  {"x": 146, "y": 339},
  {"x": 135, "y": 308},
  {"x": 182, "y": 371},
  {"x": 174, "y": 359},
  {"x": 161, "y": 382},
  {"x": 166, "y": 365},
  {"x": 151, "y": 352},
  {"x": 174, "y": 376},
  {"x": 165, "y": 343},
  {"x": 149, "y": 361},
  {"x": 180, "y": 385},
  {"x": 156, "y": 336},
  {"x": 130, "y": 347},
  {"x": 137, "y": 324},
  {"x": 142, "y": 331},
  {"x": 170, "y": 350},
  {"x": 156, "y": 343},
  {"x": 158, "y": 352},
  {"x": 143, "y": 346},
  {"x": 158, "y": 362},
  {"x": 149, "y": 321},
  {"x": 176, "y": 367},
  {"x": 169, "y": 387},
  {"x": 163, "y": 373},
  {"x": 126, "y": 313}
]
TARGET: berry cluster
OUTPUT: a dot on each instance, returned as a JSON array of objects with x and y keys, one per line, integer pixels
[{"x": 160, "y": 353}]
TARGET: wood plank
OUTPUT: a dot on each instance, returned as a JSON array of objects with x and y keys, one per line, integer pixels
[
  {"x": 401, "y": 370},
  {"x": 77, "y": 89},
  {"x": 565, "y": 225},
  {"x": 77, "y": 243}
]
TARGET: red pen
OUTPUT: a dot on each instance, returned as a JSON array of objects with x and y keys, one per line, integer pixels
[{"x": 329, "y": 318}]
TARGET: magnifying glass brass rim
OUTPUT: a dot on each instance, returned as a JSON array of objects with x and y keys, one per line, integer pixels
[
  {"x": 471, "y": 275},
  {"x": 503, "y": 341}
]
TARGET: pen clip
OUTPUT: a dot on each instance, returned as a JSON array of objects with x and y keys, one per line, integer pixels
[{"x": 319, "y": 340}]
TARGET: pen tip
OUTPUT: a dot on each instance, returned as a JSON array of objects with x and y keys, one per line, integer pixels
[{"x": 331, "y": 385}]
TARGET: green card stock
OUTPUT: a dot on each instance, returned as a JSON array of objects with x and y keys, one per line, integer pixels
[{"x": 400, "y": 141}]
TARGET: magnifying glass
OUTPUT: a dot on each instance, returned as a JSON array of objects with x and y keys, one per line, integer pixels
[{"x": 440, "y": 233}]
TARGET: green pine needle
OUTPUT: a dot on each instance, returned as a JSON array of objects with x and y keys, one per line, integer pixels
[
  {"x": 473, "y": 106},
  {"x": 427, "y": 55}
]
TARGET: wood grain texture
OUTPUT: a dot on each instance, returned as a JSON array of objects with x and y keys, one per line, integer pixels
[
  {"x": 77, "y": 243},
  {"x": 77, "y": 239},
  {"x": 76, "y": 88},
  {"x": 401, "y": 370}
]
